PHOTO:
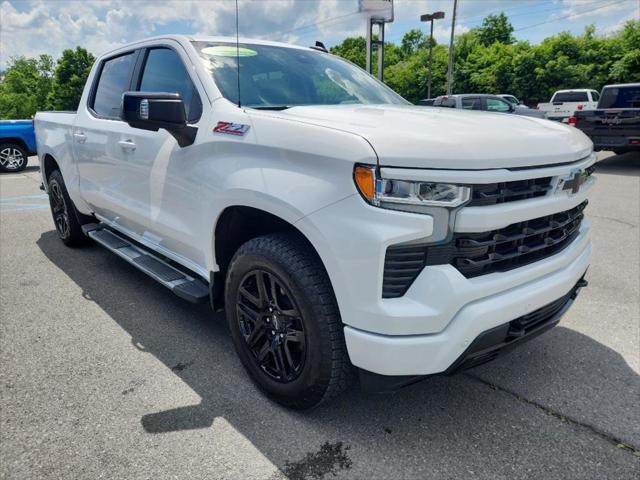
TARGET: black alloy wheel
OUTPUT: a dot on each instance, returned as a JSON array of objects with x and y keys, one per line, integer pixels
[
  {"x": 63, "y": 211},
  {"x": 271, "y": 325},
  {"x": 59, "y": 210},
  {"x": 284, "y": 321}
]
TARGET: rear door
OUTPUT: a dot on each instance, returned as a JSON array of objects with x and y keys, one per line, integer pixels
[
  {"x": 97, "y": 136},
  {"x": 471, "y": 103}
]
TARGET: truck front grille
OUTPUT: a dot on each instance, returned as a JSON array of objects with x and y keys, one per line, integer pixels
[
  {"x": 503, "y": 192},
  {"x": 476, "y": 254},
  {"x": 492, "y": 193}
]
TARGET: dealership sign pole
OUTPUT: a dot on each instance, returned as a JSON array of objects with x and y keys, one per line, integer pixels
[{"x": 378, "y": 12}]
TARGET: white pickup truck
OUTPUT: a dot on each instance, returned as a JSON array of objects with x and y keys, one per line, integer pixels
[
  {"x": 564, "y": 103},
  {"x": 344, "y": 231}
]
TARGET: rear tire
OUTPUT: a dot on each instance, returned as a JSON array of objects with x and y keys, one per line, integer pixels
[
  {"x": 65, "y": 216},
  {"x": 285, "y": 323},
  {"x": 13, "y": 158}
]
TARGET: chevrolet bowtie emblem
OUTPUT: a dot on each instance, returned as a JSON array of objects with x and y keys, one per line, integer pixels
[{"x": 573, "y": 181}]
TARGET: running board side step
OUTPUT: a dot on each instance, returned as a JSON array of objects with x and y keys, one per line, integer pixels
[{"x": 181, "y": 283}]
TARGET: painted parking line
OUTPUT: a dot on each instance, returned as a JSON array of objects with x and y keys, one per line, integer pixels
[{"x": 24, "y": 202}]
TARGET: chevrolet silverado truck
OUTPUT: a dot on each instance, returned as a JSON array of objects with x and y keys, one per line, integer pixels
[
  {"x": 615, "y": 124},
  {"x": 564, "y": 103},
  {"x": 17, "y": 143},
  {"x": 345, "y": 232}
]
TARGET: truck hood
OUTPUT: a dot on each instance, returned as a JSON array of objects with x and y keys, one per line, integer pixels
[{"x": 430, "y": 137}]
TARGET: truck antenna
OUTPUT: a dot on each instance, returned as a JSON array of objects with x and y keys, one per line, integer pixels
[{"x": 238, "y": 55}]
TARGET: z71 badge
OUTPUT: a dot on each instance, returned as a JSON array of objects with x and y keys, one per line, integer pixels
[{"x": 238, "y": 129}]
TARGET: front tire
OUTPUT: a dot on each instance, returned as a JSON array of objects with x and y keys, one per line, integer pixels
[
  {"x": 13, "y": 158},
  {"x": 64, "y": 212},
  {"x": 285, "y": 323}
]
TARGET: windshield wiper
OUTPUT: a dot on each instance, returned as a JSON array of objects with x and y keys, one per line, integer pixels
[{"x": 272, "y": 107}]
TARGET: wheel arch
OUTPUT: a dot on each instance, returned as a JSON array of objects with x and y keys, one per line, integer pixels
[
  {"x": 49, "y": 165},
  {"x": 238, "y": 224},
  {"x": 16, "y": 141}
]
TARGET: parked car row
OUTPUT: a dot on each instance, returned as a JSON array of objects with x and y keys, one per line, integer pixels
[
  {"x": 489, "y": 103},
  {"x": 615, "y": 122},
  {"x": 611, "y": 119}
]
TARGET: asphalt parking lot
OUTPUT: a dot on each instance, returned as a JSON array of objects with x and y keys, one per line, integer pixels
[{"x": 106, "y": 374}]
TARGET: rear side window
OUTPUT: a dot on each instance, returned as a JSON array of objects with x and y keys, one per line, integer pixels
[
  {"x": 113, "y": 82},
  {"x": 620, "y": 97},
  {"x": 445, "y": 102},
  {"x": 571, "y": 97},
  {"x": 471, "y": 103},
  {"x": 165, "y": 72},
  {"x": 595, "y": 96}
]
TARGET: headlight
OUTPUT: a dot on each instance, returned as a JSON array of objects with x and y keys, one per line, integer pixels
[{"x": 383, "y": 192}]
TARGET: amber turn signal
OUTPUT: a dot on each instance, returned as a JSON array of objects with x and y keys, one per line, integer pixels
[{"x": 365, "y": 181}]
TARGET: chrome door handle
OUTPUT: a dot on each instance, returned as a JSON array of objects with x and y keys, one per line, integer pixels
[
  {"x": 80, "y": 137},
  {"x": 127, "y": 145}
]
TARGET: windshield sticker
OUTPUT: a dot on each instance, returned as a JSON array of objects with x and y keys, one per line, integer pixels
[{"x": 228, "y": 51}]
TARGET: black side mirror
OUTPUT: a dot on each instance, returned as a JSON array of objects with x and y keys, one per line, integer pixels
[{"x": 153, "y": 111}]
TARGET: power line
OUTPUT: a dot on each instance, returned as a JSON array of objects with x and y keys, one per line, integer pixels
[
  {"x": 507, "y": 11},
  {"x": 569, "y": 16},
  {"x": 302, "y": 27}
]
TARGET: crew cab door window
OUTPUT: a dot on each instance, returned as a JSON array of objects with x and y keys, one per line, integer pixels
[
  {"x": 471, "y": 103},
  {"x": 112, "y": 83},
  {"x": 497, "y": 105},
  {"x": 165, "y": 72}
]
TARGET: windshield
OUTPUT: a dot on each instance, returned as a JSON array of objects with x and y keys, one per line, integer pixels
[{"x": 281, "y": 77}]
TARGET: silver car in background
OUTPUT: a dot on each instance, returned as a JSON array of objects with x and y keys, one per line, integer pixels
[{"x": 485, "y": 102}]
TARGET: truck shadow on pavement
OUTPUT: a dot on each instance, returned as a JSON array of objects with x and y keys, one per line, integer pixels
[
  {"x": 561, "y": 398},
  {"x": 624, "y": 164}
]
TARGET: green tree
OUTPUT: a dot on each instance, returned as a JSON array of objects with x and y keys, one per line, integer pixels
[
  {"x": 412, "y": 41},
  {"x": 70, "y": 76},
  {"x": 496, "y": 28},
  {"x": 627, "y": 67},
  {"x": 353, "y": 49},
  {"x": 25, "y": 86}
]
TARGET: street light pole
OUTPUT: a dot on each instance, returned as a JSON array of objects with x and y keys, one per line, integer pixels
[
  {"x": 430, "y": 17},
  {"x": 450, "y": 69}
]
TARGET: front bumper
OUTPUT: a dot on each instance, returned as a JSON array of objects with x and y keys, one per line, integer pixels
[
  {"x": 489, "y": 345},
  {"x": 435, "y": 353}
]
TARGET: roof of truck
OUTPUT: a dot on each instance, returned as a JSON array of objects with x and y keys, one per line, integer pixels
[{"x": 204, "y": 38}]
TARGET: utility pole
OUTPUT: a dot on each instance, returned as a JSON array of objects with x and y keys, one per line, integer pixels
[
  {"x": 430, "y": 17},
  {"x": 450, "y": 69}
]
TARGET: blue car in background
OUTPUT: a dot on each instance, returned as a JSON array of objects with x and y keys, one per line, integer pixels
[{"x": 17, "y": 142}]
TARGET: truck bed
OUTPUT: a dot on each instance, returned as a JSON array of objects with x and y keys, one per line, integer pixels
[{"x": 611, "y": 129}]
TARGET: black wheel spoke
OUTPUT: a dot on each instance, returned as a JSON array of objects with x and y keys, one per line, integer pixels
[
  {"x": 271, "y": 325},
  {"x": 262, "y": 289},
  {"x": 255, "y": 336},
  {"x": 249, "y": 312},
  {"x": 295, "y": 336},
  {"x": 280, "y": 363},
  {"x": 263, "y": 353},
  {"x": 255, "y": 301}
]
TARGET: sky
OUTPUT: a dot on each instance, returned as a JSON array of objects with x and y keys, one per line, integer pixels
[{"x": 32, "y": 27}]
